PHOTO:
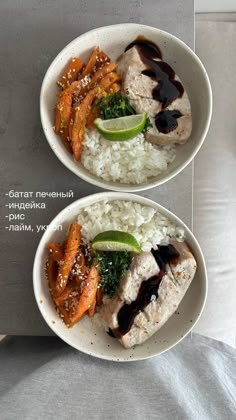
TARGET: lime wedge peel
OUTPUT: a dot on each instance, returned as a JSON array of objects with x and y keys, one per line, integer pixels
[
  {"x": 114, "y": 240},
  {"x": 123, "y": 128}
]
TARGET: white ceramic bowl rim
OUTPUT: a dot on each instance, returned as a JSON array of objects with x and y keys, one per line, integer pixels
[{"x": 149, "y": 184}]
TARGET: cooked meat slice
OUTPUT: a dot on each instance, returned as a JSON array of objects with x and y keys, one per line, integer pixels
[
  {"x": 184, "y": 124},
  {"x": 156, "y": 313},
  {"x": 130, "y": 58},
  {"x": 140, "y": 87},
  {"x": 172, "y": 288},
  {"x": 143, "y": 267},
  {"x": 109, "y": 311},
  {"x": 184, "y": 268},
  {"x": 179, "y": 275}
]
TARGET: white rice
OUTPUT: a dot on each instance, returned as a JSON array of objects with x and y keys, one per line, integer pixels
[
  {"x": 146, "y": 224},
  {"x": 128, "y": 162}
]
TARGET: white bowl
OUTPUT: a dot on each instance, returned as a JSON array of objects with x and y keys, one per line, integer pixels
[
  {"x": 89, "y": 337},
  {"x": 113, "y": 39}
]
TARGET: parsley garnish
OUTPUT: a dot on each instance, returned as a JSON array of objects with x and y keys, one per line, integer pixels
[
  {"x": 113, "y": 265},
  {"x": 115, "y": 105}
]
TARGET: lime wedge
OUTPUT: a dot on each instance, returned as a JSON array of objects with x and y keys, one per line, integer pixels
[
  {"x": 123, "y": 128},
  {"x": 114, "y": 240}
]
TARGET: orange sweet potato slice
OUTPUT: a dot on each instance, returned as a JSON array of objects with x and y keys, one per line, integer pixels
[
  {"x": 66, "y": 139},
  {"x": 63, "y": 111},
  {"x": 114, "y": 88},
  {"x": 72, "y": 245},
  {"x": 90, "y": 66},
  {"x": 70, "y": 73},
  {"x": 92, "y": 116},
  {"x": 68, "y": 300},
  {"x": 97, "y": 77},
  {"x": 64, "y": 105},
  {"x": 64, "y": 313},
  {"x": 66, "y": 292},
  {"x": 77, "y": 275},
  {"x": 102, "y": 59},
  {"x": 109, "y": 79},
  {"x": 51, "y": 269},
  {"x": 88, "y": 294},
  {"x": 71, "y": 122},
  {"x": 92, "y": 309},
  {"x": 80, "y": 115},
  {"x": 72, "y": 88},
  {"x": 79, "y": 270},
  {"x": 57, "y": 120},
  {"x": 56, "y": 251}
]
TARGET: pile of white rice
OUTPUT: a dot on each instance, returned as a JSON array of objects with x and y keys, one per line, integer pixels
[
  {"x": 146, "y": 224},
  {"x": 128, "y": 162}
]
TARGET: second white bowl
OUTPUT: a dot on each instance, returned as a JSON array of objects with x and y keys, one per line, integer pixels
[{"x": 91, "y": 338}]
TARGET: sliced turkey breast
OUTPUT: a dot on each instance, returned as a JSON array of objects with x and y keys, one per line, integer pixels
[
  {"x": 143, "y": 267},
  {"x": 170, "y": 124},
  {"x": 155, "y": 283}
]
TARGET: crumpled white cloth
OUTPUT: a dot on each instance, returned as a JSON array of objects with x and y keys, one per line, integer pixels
[{"x": 215, "y": 182}]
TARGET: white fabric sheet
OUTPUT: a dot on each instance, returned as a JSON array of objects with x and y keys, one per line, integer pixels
[{"x": 215, "y": 182}]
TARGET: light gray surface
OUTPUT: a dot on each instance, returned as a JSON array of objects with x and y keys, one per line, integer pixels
[
  {"x": 215, "y": 182},
  {"x": 43, "y": 378},
  {"x": 32, "y": 33}
]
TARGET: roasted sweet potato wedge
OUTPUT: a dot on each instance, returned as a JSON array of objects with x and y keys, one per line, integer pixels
[
  {"x": 109, "y": 80},
  {"x": 90, "y": 66},
  {"x": 56, "y": 251},
  {"x": 64, "y": 132},
  {"x": 71, "y": 250},
  {"x": 88, "y": 294},
  {"x": 97, "y": 77},
  {"x": 80, "y": 115},
  {"x": 70, "y": 73},
  {"x": 52, "y": 270}
]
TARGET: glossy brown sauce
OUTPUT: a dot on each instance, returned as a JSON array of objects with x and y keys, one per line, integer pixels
[
  {"x": 166, "y": 121},
  {"x": 148, "y": 291},
  {"x": 167, "y": 89},
  {"x": 128, "y": 312},
  {"x": 165, "y": 254},
  {"x": 147, "y": 47}
]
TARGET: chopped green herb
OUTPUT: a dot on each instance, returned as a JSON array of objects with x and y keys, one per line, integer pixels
[
  {"x": 147, "y": 125},
  {"x": 115, "y": 105},
  {"x": 113, "y": 265}
]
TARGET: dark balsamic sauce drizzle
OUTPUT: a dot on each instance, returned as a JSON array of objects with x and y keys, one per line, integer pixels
[
  {"x": 149, "y": 288},
  {"x": 128, "y": 312},
  {"x": 168, "y": 89},
  {"x": 110, "y": 333},
  {"x": 166, "y": 121},
  {"x": 165, "y": 254},
  {"x": 147, "y": 47}
]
